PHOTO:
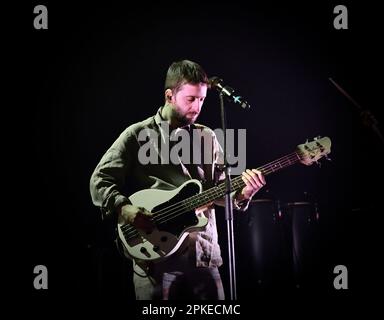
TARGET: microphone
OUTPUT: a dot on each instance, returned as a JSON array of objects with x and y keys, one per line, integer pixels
[{"x": 216, "y": 82}]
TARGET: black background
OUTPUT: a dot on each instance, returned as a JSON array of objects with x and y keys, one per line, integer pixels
[{"x": 99, "y": 68}]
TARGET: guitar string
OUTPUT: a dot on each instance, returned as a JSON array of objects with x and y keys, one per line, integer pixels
[
  {"x": 215, "y": 190},
  {"x": 191, "y": 201},
  {"x": 187, "y": 205},
  {"x": 237, "y": 180},
  {"x": 295, "y": 154},
  {"x": 265, "y": 167}
]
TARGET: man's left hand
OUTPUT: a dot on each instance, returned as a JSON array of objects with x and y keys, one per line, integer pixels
[{"x": 254, "y": 181}]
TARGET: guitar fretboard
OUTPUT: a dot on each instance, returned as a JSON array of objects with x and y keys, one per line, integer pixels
[{"x": 237, "y": 183}]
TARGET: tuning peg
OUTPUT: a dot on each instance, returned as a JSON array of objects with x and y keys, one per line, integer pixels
[
  {"x": 327, "y": 158},
  {"x": 318, "y": 163},
  {"x": 317, "y": 138}
]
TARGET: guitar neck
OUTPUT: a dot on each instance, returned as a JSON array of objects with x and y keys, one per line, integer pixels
[{"x": 237, "y": 183}]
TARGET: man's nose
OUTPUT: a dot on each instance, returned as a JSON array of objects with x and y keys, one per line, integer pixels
[{"x": 196, "y": 105}]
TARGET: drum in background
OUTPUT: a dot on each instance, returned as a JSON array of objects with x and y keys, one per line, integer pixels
[
  {"x": 263, "y": 247},
  {"x": 304, "y": 220}
]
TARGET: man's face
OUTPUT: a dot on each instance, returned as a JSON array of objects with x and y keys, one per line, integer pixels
[{"x": 187, "y": 102}]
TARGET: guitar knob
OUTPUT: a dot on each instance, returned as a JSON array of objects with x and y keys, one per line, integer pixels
[{"x": 145, "y": 252}]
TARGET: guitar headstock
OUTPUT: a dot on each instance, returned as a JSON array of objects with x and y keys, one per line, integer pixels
[{"x": 312, "y": 151}]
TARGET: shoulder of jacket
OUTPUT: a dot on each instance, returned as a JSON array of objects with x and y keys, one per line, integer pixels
[{"x": 134, "y": 129}]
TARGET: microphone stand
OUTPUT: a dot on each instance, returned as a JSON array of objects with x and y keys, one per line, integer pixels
[
  {"x": 228, "y": 208},
  {"x": 366, "y": 115}
]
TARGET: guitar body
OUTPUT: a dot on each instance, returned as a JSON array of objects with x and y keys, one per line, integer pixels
[{"x": 172, "y": 223}]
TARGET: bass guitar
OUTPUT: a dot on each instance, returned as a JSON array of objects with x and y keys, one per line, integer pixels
[{"x": 174, "y": 212}]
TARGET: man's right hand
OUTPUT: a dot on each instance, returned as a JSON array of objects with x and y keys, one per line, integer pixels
[{"x": 139, "y": 217}]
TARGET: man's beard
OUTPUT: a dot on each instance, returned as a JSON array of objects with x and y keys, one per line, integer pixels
[{"x": 184, "y": 120}]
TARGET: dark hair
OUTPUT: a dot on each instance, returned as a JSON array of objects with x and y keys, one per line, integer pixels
[{"x": 182, "y": 72}]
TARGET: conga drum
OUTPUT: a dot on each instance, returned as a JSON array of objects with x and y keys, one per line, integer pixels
[
  {"x": 263, "y": 247},
  {"x": 304, "y": 218}
]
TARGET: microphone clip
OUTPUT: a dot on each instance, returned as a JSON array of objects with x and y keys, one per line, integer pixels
[{"x": 228, "y": 92}]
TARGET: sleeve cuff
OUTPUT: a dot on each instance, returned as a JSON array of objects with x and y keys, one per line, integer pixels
[
  {"x": 121, "y": 200},
  {"x": 240, "y": 205}
]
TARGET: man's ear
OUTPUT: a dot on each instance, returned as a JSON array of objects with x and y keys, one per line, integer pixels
[{"x": 168, "y": 95}]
